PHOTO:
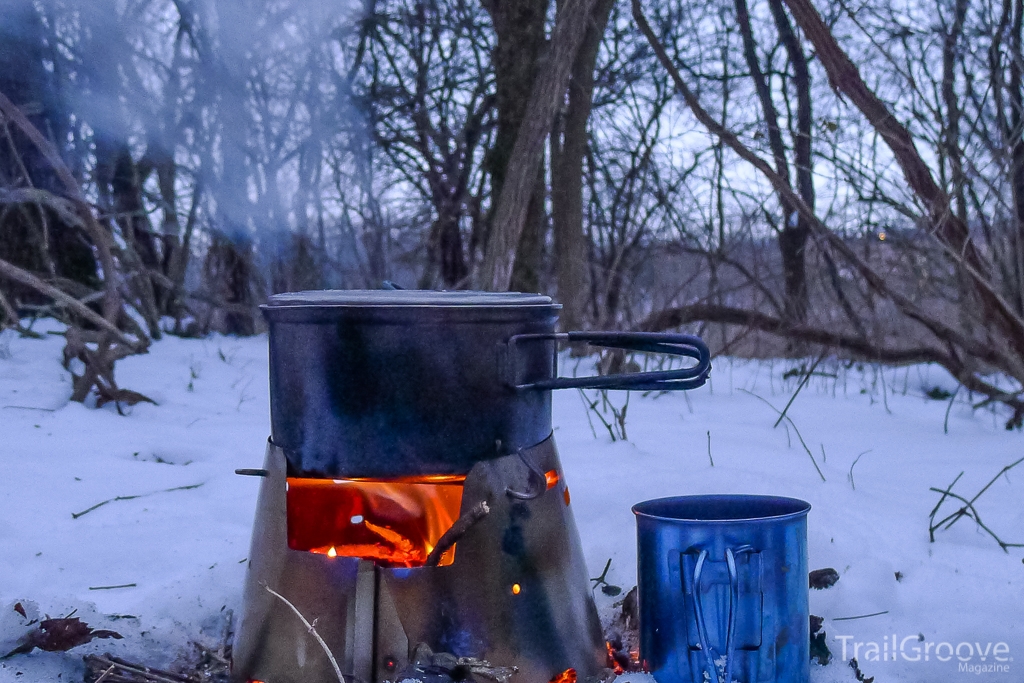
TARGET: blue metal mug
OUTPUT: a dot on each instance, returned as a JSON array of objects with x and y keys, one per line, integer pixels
[{"x": 723, "y": 589}]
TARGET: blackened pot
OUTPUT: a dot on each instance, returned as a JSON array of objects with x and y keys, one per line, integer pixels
[{"x": 390, "y": 383}]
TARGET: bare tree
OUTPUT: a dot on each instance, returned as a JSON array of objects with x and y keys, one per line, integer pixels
[
  {"x": 518, "y": 185},
  {"x": 961, "y": 351},
  {"x": 433, "y": 101},
  {"x": 568, "y": 151}
]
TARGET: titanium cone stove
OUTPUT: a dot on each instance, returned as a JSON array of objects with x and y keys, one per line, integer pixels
[{"x": 413, "y": 508}]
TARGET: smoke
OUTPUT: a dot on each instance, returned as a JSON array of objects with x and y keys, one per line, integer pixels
[{"x": 242, "y": 95}]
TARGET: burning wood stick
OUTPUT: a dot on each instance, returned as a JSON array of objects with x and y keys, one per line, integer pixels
[{"x": 457, "y": 531}]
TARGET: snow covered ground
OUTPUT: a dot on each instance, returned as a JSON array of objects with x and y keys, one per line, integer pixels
[{"x": 181, "y": 553}]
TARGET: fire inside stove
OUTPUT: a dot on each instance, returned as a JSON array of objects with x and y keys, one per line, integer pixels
[{"x": 394, "y": 522}]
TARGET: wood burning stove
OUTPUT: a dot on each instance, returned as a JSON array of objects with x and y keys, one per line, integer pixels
[{"x": 413, "y": 508}]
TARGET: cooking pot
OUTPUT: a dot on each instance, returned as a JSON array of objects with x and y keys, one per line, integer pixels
[{"x": 391, "y": 383}]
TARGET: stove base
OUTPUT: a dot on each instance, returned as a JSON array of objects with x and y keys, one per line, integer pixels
[{"x": 517, "y": 596}]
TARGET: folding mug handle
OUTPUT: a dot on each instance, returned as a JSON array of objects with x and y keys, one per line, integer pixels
[{"x": 698, "y": 608}]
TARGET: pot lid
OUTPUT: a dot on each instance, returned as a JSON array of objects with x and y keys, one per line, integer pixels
[{"x": 402, "y": 298}]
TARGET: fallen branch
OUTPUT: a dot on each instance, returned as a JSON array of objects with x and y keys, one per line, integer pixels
[
  {"x": 76, "y": 515},
  {"x": 106, "y": 674},
  {"x": 101, "y": 239},
  {"x": 117, "y": 670},
  {"x": 861, "y": 616},
  {"x": 26, "y": 278},
  {"x": 967, "y": 509},
  {"x": 671, "y": 318}
]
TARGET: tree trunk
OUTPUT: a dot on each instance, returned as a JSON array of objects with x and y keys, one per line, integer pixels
[
  {"x": 170, "y": 227},
  {"x": 567, "y": 156},
  {"x": 120, "y": 194},
  {"x": 951, "y": 128},
  {"x": 796, "y": 229},
  {"x": 233, "y": 251},
  {"x": 518, "y": 183},
  {"x": 519, "y": 26},
  {"x": 1015, "y": 140},
  {"x": 228, "y": 272},
  {"x": 444, "y": 249},
  {"x": 527, "y": 269}
]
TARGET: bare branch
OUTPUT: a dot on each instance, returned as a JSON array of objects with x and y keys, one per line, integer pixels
[
  {"x": 102, "y": 240},
  {"x": 26, "y": 278}
]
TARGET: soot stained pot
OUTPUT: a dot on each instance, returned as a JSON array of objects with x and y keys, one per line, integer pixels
[{"x": 384, "y": 383}]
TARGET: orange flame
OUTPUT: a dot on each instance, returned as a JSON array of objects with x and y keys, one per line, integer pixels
[
  {"x": 567, "y": 676},
  {"x": 612, "y": 662},
  {"x": 395, "y": 523},
  {"x": 551, "y": 477}
]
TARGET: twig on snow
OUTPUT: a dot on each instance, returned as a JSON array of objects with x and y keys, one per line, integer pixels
[
  {"x": 790, "y": 421},
  {"x": 76, "y": 515},
  {"x": 967, "y": 509},
  {"x": 803, "y": 383},
  {"x": 855, "y": 460},
  {"x": 861, "y": 616}
]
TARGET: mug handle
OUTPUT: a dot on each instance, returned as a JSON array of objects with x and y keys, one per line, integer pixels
[
  {"x": 650, "y": 342},
  {"x": 698, "y": 608}
]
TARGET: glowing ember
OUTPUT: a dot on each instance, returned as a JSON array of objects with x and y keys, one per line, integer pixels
[
  {"x": 516, "y": 589},
  {"x": 565, "y": 495},
  {"x": 551, "y": 477},
  {"x": 612, "y": 662},
  {"x": 395, "y": 523},
  {"x": 567, "y": 676}
]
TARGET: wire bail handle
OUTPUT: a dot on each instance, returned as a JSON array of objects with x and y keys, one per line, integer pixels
[{"x": 648, "y": 342}]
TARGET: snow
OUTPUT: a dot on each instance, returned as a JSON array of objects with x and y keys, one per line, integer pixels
[{"x": 185, "y": 550}]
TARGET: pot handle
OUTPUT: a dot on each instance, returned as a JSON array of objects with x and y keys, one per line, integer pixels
[{"x": 650, "y": 342}]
